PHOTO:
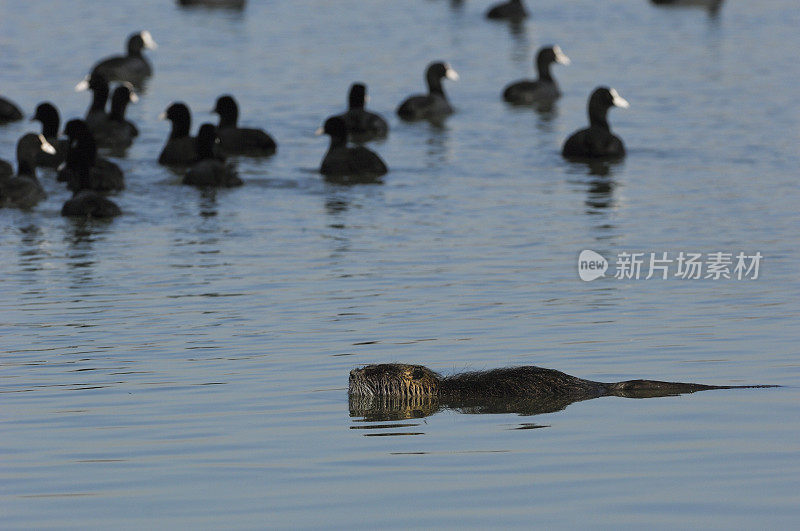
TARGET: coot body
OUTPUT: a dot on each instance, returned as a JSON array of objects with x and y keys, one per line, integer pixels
[
  {"x": 83, "y": 169},
  {"x": 96, "y": 113},
  {"x": 47, "y": 114},
  {"x": 434, "y": 105},
  {"x": 23, "y": 190},
  {"x": 235, "y": 140},
  {"x": 513, "y": 10},
  {"x": 210, "y": 170},
  {"x": 597, "y": 141},
  {"x": 362, "y": 125},
  {"x": 541, "y": 91},
  {"x": 357, "y": 163},
  {"x": 133, "y": 67},
  {"x": 9, "y": 111},
  {"x": 181, "y": 147},
  {"x": 115, "y": 131}
]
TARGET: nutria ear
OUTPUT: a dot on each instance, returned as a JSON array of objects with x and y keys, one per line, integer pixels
[{"x": 418, "y": 374}]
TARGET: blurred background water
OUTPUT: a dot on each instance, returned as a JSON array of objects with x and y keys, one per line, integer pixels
[{"x": 186, "y": 364}]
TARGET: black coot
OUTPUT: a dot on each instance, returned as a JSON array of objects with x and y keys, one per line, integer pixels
[
  {"x": 47, "y": 114},
  {"x": 362, "y": 125},
  {"x": 86, "y": 171},
  {"x": 9, "y": 111},
  {"x": 513, "y": 10},
  {"x": 96, "y": 113},
  {"x": 342, "y": 162},
  {"x": 542, "y": 91},
  {"x": 597, "y": 141},
  {"x": 234, "y": 140},
  {"x": 132, "y": 67},
  {"x": 24, "y": 190},
  {"x": 181, "y": 147},
  {"x": 210, "y": 170},
  {"x": 434, "y": 105},
  {"x": 116, "y": 131},
  {"x": 83, "y": 169}
]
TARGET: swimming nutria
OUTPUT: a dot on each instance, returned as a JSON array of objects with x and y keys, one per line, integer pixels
[{"x": 415, "y": 390}]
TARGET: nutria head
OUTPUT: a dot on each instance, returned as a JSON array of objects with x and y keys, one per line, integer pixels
[{"x": 393, "y": 380}]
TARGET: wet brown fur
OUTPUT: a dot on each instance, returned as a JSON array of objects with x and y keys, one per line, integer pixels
[{"x": 403, "y": 380}]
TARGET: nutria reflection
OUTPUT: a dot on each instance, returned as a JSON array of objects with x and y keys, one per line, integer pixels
[{"x": 396, "y": 391}]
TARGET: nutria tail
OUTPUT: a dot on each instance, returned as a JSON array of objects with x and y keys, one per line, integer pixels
[{"x": 654, "y": 388}]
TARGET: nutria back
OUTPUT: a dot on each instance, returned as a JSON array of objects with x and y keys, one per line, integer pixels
[{"x": 526, "y": 381}]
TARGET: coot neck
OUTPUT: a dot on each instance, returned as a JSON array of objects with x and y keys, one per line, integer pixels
[
  {"x": 228, "y": 118},
  {"x": 435, "y": 85},
  {"x": 205, "y": 146},
  {"x": 180, "y": 127},
  {"x": 356, "y": 102},
  {"x": 338, "y": 141},
  {"x": 543, "y": 68},
  {"x": 100, "y": 98},
  {"x": 134, "y": 48},
  {"x": 82, "y": 152},
  {"x": 50, "y": 126},
  {"x": 598, "y": 117},
  {"x": 27, "y": 167},
  {"x": 118, "y": 106}
]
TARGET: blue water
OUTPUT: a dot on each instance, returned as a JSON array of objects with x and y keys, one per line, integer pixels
[{"x": 185, "y": 365}]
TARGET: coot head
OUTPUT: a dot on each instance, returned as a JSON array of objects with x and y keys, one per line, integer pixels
[
  {"x": 358, "y": 96},
  {"x": 334, "y": 127},
  {"x": 139, "y": 41},
  {"x": 27, "y": 147},
  {"x": 76, "y": 128},
  {"x": 96, "y": 82},
  {"x": 228, "y": 111},
  {"x": 552, "y": 54},
  {"x": 178, "y": 113},
  {"x": 439, "y": 70},
  {"x": 603, "y": 98},
  {"x": 82, "y": 147},
  {"x": 47, "y": 114},
  {"x": 120, "y": 99}
]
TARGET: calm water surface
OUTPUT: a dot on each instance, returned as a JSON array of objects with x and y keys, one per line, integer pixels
[{"x": 186, "y": 364}]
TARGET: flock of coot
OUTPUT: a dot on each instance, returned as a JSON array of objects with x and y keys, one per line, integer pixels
[{"x": 203, "y": 158}]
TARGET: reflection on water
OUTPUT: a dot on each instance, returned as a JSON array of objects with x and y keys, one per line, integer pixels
[
  {"x": 521, "y": 47},
  {"x": 80, "y": 237},
  {"x": 438, "y": 147},
  {"x": 335, "y": 205},
  {"x": 32, "y": 248},
  {"x": 456, "y": 5},
  {"x": 207, "y": 203},
  {"x": 384, "y": 408},
  {"x": 547, "y": 111}
]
